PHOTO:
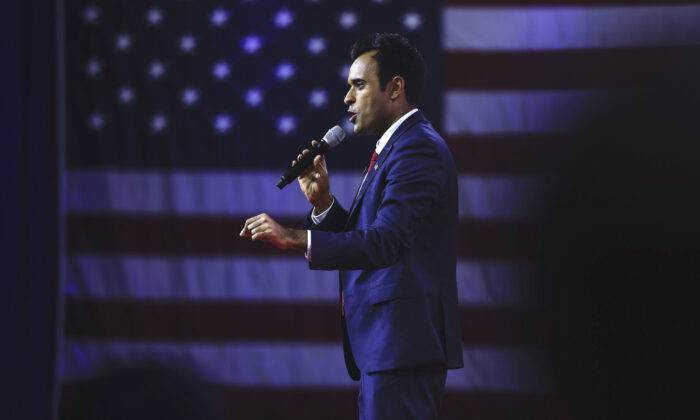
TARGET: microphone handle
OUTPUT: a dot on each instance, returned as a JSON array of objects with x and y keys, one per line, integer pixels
[{"x": 303, "y": 163}]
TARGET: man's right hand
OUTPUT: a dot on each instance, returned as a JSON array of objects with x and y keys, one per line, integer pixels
[{"x": 314, "y": 182}]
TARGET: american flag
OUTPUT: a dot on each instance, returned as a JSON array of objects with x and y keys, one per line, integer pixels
[{"x": 181, "y": 115}]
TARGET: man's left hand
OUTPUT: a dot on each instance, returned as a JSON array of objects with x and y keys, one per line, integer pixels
[{"x": 264, "y": 228}]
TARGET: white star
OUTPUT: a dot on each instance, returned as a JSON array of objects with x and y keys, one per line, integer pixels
[
  {"x": 285, "y": 71},
  {"x": 219, "y": 17},
  {"x": 284, "y": 18},
  {"x": 156, "y": 70},
  {"x": 96, "y": 121},
  {"x": 348, "y": 20},
  {"x": 221, "y": 70},
  {"x": 251, "y": 44},
  {"x": 286, "y": 124},
  {"x": 316, "y": 45},
  {"x": 343, "y": 72},
  {"x": 318, "y": 98},
  {"x": 190, "y": 96},
  {"x": 159, "y": 123},
  {"x": 412, "y": 21},
  {"x": 253, "y": 97},
  {"x": 93, "y": 67},
  {"x": 155, "y": 15},
  {"x": 91, "y": 14},
  {"x": 188, "y": 43},
  {"x": 126, "y": 95},
  {"x": 123, "y": 42},
  {"x": 223, "y": 123}
]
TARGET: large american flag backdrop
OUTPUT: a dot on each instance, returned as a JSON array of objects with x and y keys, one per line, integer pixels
[{"x": 179, "y": 117}]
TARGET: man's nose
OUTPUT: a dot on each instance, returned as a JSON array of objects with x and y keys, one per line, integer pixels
[{"x": 349, "y": 98}]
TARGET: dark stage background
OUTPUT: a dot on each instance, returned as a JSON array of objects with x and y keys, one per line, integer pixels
[{"x": 137, "y": 138}]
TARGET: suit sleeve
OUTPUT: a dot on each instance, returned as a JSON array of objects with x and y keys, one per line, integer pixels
[
  {"x": 334, "y": 221},
  {"x": 415, "y": 178}
]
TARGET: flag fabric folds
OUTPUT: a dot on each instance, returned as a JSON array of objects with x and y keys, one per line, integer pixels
[{"x": 180, "y": 117}]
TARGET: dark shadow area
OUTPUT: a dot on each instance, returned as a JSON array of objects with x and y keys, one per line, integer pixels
[
  {"x": 618, "y": 255},
  {"x": 29, "y": 195},
  {"x": 142, "y": 390}
]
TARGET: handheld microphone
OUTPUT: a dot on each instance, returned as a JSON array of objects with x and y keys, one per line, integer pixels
[{"x": 332, "y": 138}]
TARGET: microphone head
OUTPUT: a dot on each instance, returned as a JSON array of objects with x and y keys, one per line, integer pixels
[{"x": 334, "y": 136}]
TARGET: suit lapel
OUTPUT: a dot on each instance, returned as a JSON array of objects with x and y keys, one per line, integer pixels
[{"x": 410, "y": 122}]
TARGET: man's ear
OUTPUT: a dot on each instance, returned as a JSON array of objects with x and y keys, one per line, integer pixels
[{"x": 396, "y": 87}]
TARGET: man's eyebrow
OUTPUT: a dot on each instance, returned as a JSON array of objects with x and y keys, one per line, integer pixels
[{"x": 357, "y": 80}]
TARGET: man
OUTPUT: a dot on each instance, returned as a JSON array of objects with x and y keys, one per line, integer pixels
[{"x": 396, "y": 245}]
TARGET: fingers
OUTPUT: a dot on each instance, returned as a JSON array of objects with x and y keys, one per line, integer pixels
[
  {"x": 244, "y": 233},
  {"x": 253, "y": 225},
  {"x": 259, "y": 223},
  {"x": 264, "y": 228},
  {"x": 262, "y": 236},
  {"x": 320, "y": 165},
  {"x": 315, "y": 171},
  {"x": 314, "y": 143},
  {"x": 299, "y": 156},
  {"x": 306, "y": 172}
]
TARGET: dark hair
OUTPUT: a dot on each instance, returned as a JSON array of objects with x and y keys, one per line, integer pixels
[{"x": 395, "y": 57}]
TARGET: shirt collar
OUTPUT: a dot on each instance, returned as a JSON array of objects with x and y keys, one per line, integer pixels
[{"x": 390, "y": 131}]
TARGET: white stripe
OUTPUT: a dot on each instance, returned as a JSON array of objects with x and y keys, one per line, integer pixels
[
  {"x": 470, "y": 112},
  {"x": 249, "y": 193},
  {"x": 499, "y": 197},
  {"x": 241, "y": 278},
  {"x": 193, "y": 193},
  {"x": 556, "y": 28},
  {"x": 496, "y": 283},
  {"x": 288, "y": 365},
  {"x": 267, "y": 279}
]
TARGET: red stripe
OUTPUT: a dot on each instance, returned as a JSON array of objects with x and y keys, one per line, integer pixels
[
  {"x": 634, "y": 67},
  {"x": 339, "y": 404},
  {"x": 112, "y": 319},
  {"x": 148, "y": 235},
  {"x": 496, "y": 240},
  {"x": 162, "y": 235},
  {"x": 517, "y": 154}
]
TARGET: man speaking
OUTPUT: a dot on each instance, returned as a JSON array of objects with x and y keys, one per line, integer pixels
[{"x": 395, "y": 247}]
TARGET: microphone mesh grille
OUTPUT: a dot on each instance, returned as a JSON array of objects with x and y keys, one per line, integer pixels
[{"x": 334, "y": 136}]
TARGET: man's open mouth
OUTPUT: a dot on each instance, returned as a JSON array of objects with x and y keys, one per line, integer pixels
[{"x": 353, "y": 117}]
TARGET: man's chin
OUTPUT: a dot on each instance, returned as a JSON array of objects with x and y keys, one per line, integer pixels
[{"x": 359, "y": 130}]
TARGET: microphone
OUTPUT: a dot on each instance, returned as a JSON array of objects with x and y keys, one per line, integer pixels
[{"x": 332, "y": 138}]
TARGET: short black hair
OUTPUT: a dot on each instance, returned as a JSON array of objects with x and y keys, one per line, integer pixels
[{"x": 395, "y": 57}]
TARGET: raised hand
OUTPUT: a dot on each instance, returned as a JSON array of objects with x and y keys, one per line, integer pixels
[{"x": 264, "y": 228}]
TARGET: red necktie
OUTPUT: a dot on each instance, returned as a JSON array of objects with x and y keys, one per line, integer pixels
[{"x": 371, "y": 162}]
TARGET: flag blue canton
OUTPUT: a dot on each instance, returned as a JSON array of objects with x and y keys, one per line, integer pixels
[{"x": 241, "y": 85}]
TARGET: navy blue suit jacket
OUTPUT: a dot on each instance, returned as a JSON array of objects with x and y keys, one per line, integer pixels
[{"x": 396, "y": 249}]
